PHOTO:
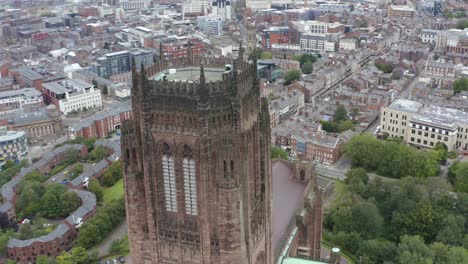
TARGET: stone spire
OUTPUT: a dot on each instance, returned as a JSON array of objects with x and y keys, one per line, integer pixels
[
  {"x": 234, "y": 77},
  {"x": 202, "y": 75},
  {"x": 203, "y": 90}
]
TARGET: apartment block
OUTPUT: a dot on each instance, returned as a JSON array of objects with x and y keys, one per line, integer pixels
[
  {"x": 121, "y": 61},
  {"x": 72, "y": 95},
  {"x": 212, "y": 25},
  {"x": 425, "y": 126}
]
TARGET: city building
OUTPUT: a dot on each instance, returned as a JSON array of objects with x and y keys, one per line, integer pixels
[
  {"x": 297, "y": 28},
  {"x": 211, "y": 161},
  {"x": 121, "y": 61},
  {"x": 13, "y": 145},
  {"x": 27, "y": 98},
  {"x": 307, "y": 141},
  {"x": 134, "y": 4},
  {"x": 348, "y": 44},
  {"x": 274, "y": 35},
  {"x": 212, "y": 25},
  {"x": 221, "y": 8},
  {"x": 37, "y": 123},
  {"x": 34, "y": 76},
  {"x": 72, "y": 95},
  {"x": 257, "y": 5},
  {"x": 400, "y": 11},
  {"x": 316, "y": 43},
  {"x": 429, "y": 35},
  {"x": 195, "y": 8},
  {"x": 101, "y": 124},
  {"x": 180, "y": 48},
  {"x": 334, "y": 7},
  {"x": 425, "y": 126}
]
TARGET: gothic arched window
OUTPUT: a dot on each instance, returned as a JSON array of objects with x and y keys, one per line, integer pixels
[
  {"x": 170, "y": 193},
  {"x": 190, "y": 181}
]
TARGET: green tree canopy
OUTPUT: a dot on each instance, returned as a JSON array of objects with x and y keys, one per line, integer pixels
[
  {"x": 462, "y": 24},
  {"x": 340, "y": 114},
  {"x": 412, "y": 250},
  {"x": 292, "y": 75},
  {"x": 460, "y": 85},
  {"x": 277, "y": 152},
  {"x": 307, "y": 68}
]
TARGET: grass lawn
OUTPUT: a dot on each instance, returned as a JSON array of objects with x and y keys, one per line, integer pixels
[
  {"x": 340, "y": 187},
  {"x": 114, "y": 192}
]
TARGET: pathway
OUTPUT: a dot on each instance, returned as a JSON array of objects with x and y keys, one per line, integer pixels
[{"x": 117, "y": 233}]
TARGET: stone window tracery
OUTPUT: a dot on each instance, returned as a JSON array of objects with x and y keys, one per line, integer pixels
[
  {"x": 170, "y": 192},
  {"x": 190, "y": 181}
]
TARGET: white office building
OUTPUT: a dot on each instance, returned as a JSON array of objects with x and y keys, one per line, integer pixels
[
  {"x": 195, "y": 8},
  {"x": 256, "y": 5},
  {"x": 133, "y": 4},
  {"x": 13, "y": 100},
  {"x": 212, "y": 25},
  {"x": 221, "y": 8},
  {"x": 72, "y": 95}
]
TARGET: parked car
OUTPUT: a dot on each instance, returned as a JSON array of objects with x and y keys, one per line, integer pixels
[
  {"x": 65, "y": 181},
  {"x": 121, "y": 259},
  {"x": 53, "y": 180}
]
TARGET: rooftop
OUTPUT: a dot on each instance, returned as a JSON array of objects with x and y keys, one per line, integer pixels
[
  {"x": 190, "y": 74},
  {"x": 406, "y": 105},
  {"x": 287, "y": 197}
]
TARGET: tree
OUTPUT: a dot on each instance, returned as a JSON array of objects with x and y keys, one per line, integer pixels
[
  {"x": 256, "y": 53},
  {"x": 460, "y": 85},
  {"x": 462, "y": 24},
  {"x": 45, "y": 260},
  {"x": 107, "y": 179},
  {"x": 307, "y": 68},
  {"x": 277, "y": 152},
  {"x": 384, "y": 67},
  {"x": 65, "y": 258},
  {"x": 460, "y": 171},
  {"x": 340, "y": 114},
  {"x": 98, "y": 153},
  {"x": 89, "y": 142},
  {"x": 412, "y": 250},
  {"x": 292, "y": 75},
  {"x": 105, "y": 90},
  {"x": 95, "y": 188},
  {"x": 345, "y": 125},
  {"x": 266, "y": 55},
  {"x": 57, "y": 202},
  {"x": 377, "y": 251},
  {"x": 366, "y": 212},
  {"x": 25, "y": 231},
  {"x": 8, "y": 164},
  {"x": 354, "y": 112},
  {"x": 358, "y": 173},
  {"x": 452, "y": 230},
  {"x": 441, "y": 151}
]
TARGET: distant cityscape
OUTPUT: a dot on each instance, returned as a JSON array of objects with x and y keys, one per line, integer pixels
[{"x": 233, "y": 131}]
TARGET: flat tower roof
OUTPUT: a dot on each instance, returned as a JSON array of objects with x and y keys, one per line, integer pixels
[{"x": 190, "y": 74}]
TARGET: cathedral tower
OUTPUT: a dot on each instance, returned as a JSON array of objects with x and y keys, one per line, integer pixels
[{"x": 197, "y": 164}]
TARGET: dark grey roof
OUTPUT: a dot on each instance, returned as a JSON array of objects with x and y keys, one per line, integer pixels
[
  {"x": 58, "y": 232},
  {"x": 115, "y": 110},
  {"x": 88, "y": 204},
  {"x": 7, "y": 190}
]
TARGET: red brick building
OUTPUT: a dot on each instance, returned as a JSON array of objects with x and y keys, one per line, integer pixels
[
  {"x": 275, "y": 35},
  {"x": 101, "y": 124},
  {"x": 180, "y": 49}
]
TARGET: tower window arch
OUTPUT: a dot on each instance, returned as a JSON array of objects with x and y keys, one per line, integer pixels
[
  {"x": 170, "y": 193},
  {"x": 190, "y": 181}
]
